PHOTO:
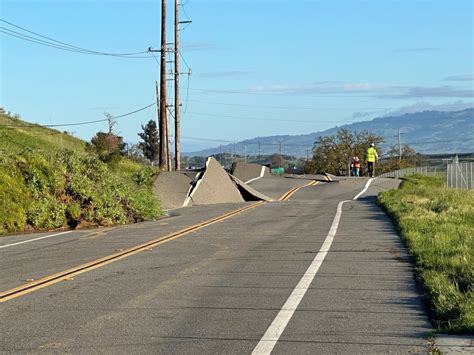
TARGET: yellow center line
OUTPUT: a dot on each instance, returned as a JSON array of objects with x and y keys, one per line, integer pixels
[
  {"x": 83, "y": 268},
  {"x": 69, "y": 273},
  {"x": 290, "y": 193}
]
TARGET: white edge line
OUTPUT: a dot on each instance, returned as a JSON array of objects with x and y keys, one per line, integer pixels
[
  {"x": 273, "y": 333},
  {"x": 32, "y": 240},
  {"x": 364, "y": 190},
  {"x": 192, "y": 189},
  {"x": 262, "y": 172}
]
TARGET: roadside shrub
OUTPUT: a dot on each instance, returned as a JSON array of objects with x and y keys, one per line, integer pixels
[
  {"x": 144, "y": 176},
  {"x": 46, "y": 213},
  {"x": 73, "y": 214},
  {"x": 48, "y": 190},
  {"x": 12, "y": 204}
]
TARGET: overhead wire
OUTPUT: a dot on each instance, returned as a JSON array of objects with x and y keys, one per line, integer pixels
[
  {"x": 36, "y": 125},
  {"x": 278, "y": 94},
  {"x": 187, "y": 93},
  {"x": 291, "y": 107},
  {"x": 184, "y": 60},
  {"x": 262, "y": 119},
  {"x": 51, "y": 42}
]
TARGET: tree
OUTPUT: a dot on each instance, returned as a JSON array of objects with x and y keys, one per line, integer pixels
[
  {"x": 277, "y": 160},
  {"x": 109, "y": 147},
  {"x": 108, "y": 143},
  {"x": 151, "y": 141},
  {"x": 394, "y": 161},
  {"x": 331, "y": 154}
]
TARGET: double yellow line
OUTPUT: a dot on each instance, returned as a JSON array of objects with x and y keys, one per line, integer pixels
[
  {"x": 77, "y": 270},
  {"x": 287, "y": 195},
  {"x": 70, "y": 273}
]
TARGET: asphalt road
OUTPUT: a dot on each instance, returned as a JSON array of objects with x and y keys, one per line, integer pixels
[{"x": 221, "y": 288}]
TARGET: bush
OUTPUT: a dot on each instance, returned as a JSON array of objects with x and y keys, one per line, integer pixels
[
  {"x": 48, "y": 190},
  {"x": 12, "y": 204},
  {"x": 144, "y": 176},
  {"x": 46, "y": 213}
]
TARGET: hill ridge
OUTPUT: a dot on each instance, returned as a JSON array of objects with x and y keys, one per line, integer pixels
[{"x": 430, "y": 131}]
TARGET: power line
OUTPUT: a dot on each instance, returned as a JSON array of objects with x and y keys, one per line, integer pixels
[
  {"x": 184, "y": 61},
  {"x": 51, "y": 42},
  {"x": 277, "y": 94},
  {"x": 262, "y": 119},
  {"x": 36, "y": 125},
  {"x": 156, "y": 59},
  {"x": 206, "y": 139},
  {"x": 441, "y": 141},
  {"x": 292, "y": 107}
]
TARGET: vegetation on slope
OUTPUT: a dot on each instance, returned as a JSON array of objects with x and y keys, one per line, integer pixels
[
  {"x": 48, "y": 180},
  {"x": 438, "y": 227}
]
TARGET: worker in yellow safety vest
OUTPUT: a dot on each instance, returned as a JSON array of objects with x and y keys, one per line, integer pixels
[{"x": 371, "y": 158}]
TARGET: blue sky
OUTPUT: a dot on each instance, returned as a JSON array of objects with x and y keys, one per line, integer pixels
[{"x": 259, "y": 67}]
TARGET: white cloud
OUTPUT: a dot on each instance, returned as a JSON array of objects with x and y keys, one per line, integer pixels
[
  {"x": 381, "y": 91},
  {"x": 426, "y": 106},
  {"x": 322, "y": 87},
  {"x": 464, "y": 77},
  {"x": 438, "y": 91}
]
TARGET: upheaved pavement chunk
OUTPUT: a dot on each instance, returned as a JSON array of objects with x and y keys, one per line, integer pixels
[
  {"x": 172, "y": 188},
  {"x": 249, "y": 193},
  {"x": 248, "y": 171},
  {"x": 214, "y": 186}
]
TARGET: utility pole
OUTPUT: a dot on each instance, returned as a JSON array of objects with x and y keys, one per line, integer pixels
[
  {"x": 168, "y": 145},
  {"x": 177, "y": 152},
  {"x": 245, "y": 153},
  {"x": 158, "y": 119},
  {"x": 163, "y": 96}
]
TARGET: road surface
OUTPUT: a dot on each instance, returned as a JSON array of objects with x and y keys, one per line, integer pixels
[{"x": 309, "y": 275}]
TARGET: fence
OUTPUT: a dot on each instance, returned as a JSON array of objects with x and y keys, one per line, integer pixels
[
  {"x": 422, "y": 170},
  {"x": 460, "y": 176}
]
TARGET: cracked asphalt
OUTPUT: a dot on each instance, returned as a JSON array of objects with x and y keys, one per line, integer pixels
[{"x": 218, "y": 289}]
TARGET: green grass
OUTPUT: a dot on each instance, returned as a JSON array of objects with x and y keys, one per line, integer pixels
[
  {"x": 49, "y": 181},
  {"x": 438, "y": 227},
  {"x": 27, "y": 136}
]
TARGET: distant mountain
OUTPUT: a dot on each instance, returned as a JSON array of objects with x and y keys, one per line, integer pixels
[{"x": 432, "y": 132}]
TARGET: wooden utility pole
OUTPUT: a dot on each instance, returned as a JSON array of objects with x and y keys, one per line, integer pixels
[
  {"x": 177, "y": 152},
  {"x": 168, "y": 146},
  {"x": 158, "y": 120},
  {"x": 163, "y": 95}
]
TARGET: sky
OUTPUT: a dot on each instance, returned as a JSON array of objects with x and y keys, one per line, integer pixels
[{"x": 258, "y": 67}]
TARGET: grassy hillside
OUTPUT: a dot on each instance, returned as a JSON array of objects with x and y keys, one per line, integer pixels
[
  {"x": 49, "y": 181},
  {"x": 17, "y": 135},
  {"x": 438, "y": 227}
]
